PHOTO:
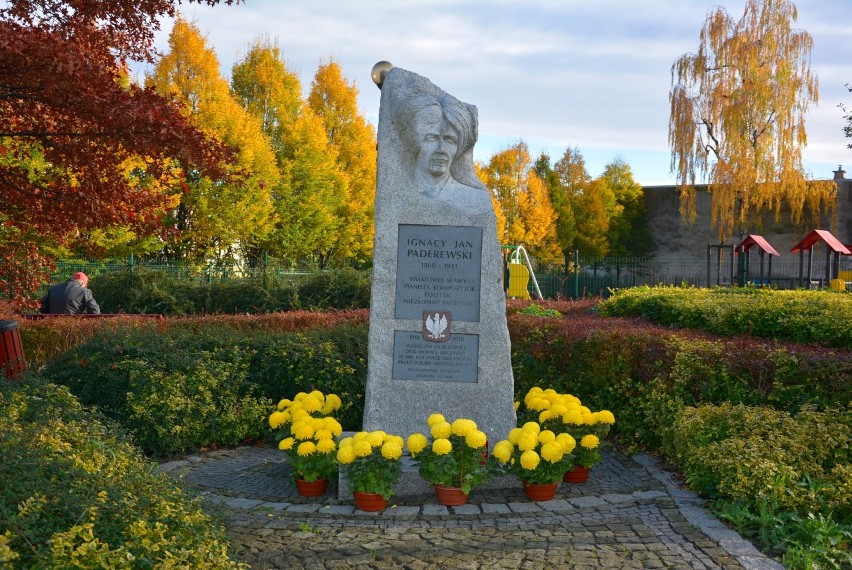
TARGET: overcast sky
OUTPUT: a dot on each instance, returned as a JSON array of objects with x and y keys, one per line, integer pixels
[{"x": 591, "y": 74}]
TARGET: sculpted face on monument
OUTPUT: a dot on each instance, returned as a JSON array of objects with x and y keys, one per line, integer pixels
[
  {"x": 439, "y": 130},
  {"x": 439, "y": 143}
]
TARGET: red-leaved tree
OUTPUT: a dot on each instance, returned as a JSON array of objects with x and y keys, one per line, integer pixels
[{"x": 80, "y": 146}]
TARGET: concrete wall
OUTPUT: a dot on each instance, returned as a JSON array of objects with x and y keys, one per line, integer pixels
[{"x": 674, "y": 238}]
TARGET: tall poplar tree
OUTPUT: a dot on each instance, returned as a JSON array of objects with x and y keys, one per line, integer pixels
[
  {"x": 522, "y": 200},
  {"x": 310, "y": 196},
  {"x": 353, "y": 139},
  {"x": 737, "y": 120},
  {"x": 215, "y": 216}
]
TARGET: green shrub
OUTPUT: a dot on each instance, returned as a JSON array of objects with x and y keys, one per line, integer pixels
[
  {"x": 339, "y": 289},
  {"x": 175, "y": 411},
  {"x": 148, "y": 292},
  {"x": 76, "y": 494},
  {"x": 218, "y": 382},
  {"x": 823, "y": 317}
]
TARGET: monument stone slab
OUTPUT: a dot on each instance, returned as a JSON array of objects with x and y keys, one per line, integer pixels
[{"x": 438, "y": 338}]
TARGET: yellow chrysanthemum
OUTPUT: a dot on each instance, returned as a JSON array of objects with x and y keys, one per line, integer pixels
[
  {"x": 589, "y": 419},
  {"x": 544, "y": 416},
  {"x": 317, "y": 423},
  {"x": 558, "y": 409},
  {"x": 584, "y": 410},
  {"x": 302, "y": 430},
  {"x": 441, "y": 430},
  {"x": 442, "y": 446},
  {"x": 417, "y": 442},
  {"x": 604, "y": 417},
  {"x": 318, "y": 395},
  {"x": 286, "y": 443},
  {"x": 360, "y": 436},
  {"x": 332, "y": 425},
  {"x": 311, "y": 404},
  {"x": 322, "y": 434},
  {"x": 546, "y": 436},
  {"x": 299, "y": 415},
  {"x": 531, "y": 426},
  {"x": 552, "y": 452},
  {"x": 300, "y": 396},
  {"x": 503, "y": 450},
  {"x": 573, "y": 416},
  {"x": 391, "y": 450},
  {"x": 476, "y": 439},
  {"x": 277, "y": 418},
  {"x": 326, "y": 446},
  {"x": 590, "y": 441},
  {"x": 435, "y": 418},
  {"x": 346, "y": 442},
  {"x": 306, "y": 448},
  {"x": 567, "y": 442},
  {"x": 530, "y": 460},
  {"x": 527, "y": 441},
  {"x": 332, "y": 404},
  {"x": 362, "y": 448},
  {"x": 376, "y": 439},
  {"x": 514, "y": 434},
  {"x": 462, "y": 426},
  {"x": 282, "y": 404},
  {"x": 345, "y": 455},
  {"x": 534, "y": 393},
  {"x": 572, "y": 399}
]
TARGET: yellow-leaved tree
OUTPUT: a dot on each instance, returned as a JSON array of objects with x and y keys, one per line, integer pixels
[
  {"x": 311, "y": 194},
  {"x": 216, "y": 218},
  {"x": 353, "y": 140},
  {"x": 525, "y": 213},
  {"x": 737, "y": 120}
]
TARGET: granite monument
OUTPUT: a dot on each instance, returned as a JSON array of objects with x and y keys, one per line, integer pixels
[{"x": 438, "y": 339}]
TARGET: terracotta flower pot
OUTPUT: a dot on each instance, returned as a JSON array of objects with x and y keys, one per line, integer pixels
[
  {"x": 578, "y": 475},
  {"x": 540, "y": 491},
  {"x": 450, "y": 496},
  {"x": 312, "y": 489},
  {"x": 369, "y": 502}
]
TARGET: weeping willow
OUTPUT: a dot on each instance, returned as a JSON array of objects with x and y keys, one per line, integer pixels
[{"x": 737, "y": 120}]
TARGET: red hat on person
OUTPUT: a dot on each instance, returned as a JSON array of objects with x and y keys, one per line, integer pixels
[{"x": 80, "y": 276}]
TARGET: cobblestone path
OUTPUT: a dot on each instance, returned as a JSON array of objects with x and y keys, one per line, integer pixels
[{"x": 630, "y": 514}]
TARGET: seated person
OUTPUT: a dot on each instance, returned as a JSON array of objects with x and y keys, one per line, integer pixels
[{"x": 70, "y": 298}]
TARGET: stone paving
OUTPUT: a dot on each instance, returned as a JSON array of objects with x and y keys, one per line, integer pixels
[{"x": 630, "y": 514}]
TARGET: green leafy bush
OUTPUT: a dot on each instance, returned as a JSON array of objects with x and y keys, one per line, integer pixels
[
  {"x": 148, "y": 292},
  {"x": 76, "y": 494},
  {"x": 217, "y": 382},
  {"x": 823, "y": 317}
]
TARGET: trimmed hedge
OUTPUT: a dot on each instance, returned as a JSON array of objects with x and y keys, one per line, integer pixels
[
  {"x": 76, "y": 494},
  {"x": 219, "y": 380},
  {"x": 823, "y": 317},
  {"x": 149, "y": 292}
]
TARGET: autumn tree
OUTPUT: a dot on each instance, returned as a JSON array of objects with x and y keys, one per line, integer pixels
[
  {"x": 215, "y": 215},
  {"x": 353, "y": 140},
  {"x": 628, "y": 233},
  {"x": 737, "y": 120},
  {"x": 309, "y": 196},
  {"x": 521, "y": 199},
  {"x": 70, "y": 124}
]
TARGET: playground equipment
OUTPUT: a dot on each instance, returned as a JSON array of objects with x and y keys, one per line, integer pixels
[{"x": 519, "y": 272}]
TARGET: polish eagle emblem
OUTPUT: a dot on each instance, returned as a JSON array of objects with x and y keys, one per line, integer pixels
[{"x": 436, "y": 326}]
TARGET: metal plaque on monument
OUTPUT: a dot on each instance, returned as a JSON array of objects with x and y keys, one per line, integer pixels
[{"x": 438, "y": 338}]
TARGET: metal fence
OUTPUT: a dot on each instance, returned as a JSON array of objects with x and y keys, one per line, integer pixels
[{"x": 585, "y": 276}]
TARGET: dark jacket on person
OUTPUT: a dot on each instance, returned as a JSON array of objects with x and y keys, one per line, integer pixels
[{"x": 69, "y": 298}]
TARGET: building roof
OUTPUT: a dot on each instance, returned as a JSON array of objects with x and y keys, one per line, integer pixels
[
  {"x": 752, "y": 239},
  {"x": 824, "y": 236}
]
